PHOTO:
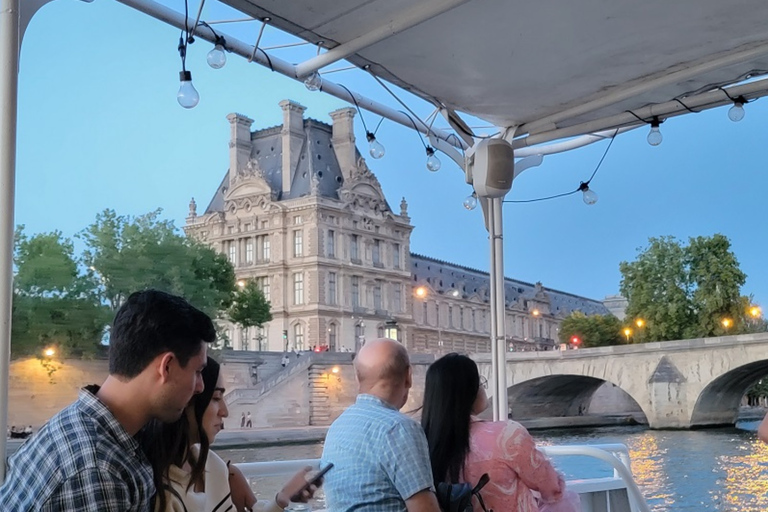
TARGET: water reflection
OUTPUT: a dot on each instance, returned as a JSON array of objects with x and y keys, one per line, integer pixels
[{"x": 723, "y": 470}]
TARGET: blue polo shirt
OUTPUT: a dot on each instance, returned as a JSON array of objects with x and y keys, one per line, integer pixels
[{"x": 380, "y": 458}]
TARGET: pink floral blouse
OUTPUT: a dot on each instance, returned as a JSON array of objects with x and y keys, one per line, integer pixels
[{"x": 506, "y": 451}]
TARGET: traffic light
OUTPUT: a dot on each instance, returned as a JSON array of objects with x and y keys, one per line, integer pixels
[
  {"x": 285, "y": 334},
  {"x": 575, "y": 340}
]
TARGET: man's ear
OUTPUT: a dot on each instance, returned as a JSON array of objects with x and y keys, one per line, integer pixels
[
  {"x": 164, "y": 366},
  {"x": 409, "y": 378}
]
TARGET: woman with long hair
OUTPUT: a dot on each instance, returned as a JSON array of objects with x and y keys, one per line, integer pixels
[
  {"x": 189, "y": 477},
  {"x": 463, "y": 447}
]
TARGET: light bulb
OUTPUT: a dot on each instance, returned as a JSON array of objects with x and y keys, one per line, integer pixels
[
  {"x": 470, "y": 203},
  {"x": 433, "y": 163},
  {"x": 654, "y": 136},
  {"x": 313, "y": 82},
  {"x": 589, "y": 196},
  {"x": 736, "y": 112},
  {"x": 376, "y": 148},
  {"x": 187, "y": 96},
  {"x": 217, "y": 57}
]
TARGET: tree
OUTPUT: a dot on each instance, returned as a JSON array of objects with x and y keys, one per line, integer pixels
[
  {"x": 249, "y": 306},
  {"x": 54, "y": 302},
  {"x": 684, "y": 291},
  {"x": 127, "y": 254},
  {"x": 592, "y": 330}
]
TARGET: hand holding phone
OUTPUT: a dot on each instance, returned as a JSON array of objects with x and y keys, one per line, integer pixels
[{"x": 312, "y": 484}]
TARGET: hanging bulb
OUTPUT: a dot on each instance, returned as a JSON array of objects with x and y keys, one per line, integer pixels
[
  {"x": 736, "y": 112},
  {"x": 433, "y": 163},
  {"x": 187, "y": 96},
  {"x": 313, "y": 82},
  {"x": 654, "y": 136},
  {"x": 376, "y": 148},
  {"x": 588, "y": 195},
  {"x": 470, "y": 203},
  {"x": 217, "y": 57}
]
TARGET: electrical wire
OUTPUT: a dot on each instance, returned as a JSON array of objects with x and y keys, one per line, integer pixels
[{"x": 581, "y": 185}]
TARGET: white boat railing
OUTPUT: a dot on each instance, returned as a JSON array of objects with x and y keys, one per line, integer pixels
[{"x": 616, "y": 455}]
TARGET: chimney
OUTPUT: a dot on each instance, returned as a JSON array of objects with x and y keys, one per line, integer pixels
[
  {"x": 239, "y": 143},
  {"x": 344, "y": 139},
  {"x": 293, "y": 139}
]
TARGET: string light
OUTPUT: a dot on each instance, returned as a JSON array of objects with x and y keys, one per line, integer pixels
[
  {"x": 654, "y": 136},
  {"x": 375, "y": 148},
  {"x": 433, "y": 163},
  {"x": 589, "y": 196},
  {"x": 736, "y": 112},
  {"x": 313, "y": 82},
  {"x": 217, "y": 57},
  {"x": 470, "y": 203}
]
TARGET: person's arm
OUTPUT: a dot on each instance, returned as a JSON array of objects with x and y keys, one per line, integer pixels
[
  {"x": 240, "y": 492},
  {"x": 424, "y": 501},
  {"x": 762, "y": 430},
  {"x": 406, "y": 461},
  {"x": 533, "y": 467},
  {"x": 93, "y": 489}
]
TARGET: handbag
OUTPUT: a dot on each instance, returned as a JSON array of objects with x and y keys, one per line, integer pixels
[{"x": 458, "y": 497}]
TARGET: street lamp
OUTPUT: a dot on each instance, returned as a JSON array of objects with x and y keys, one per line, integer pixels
[
  {"x": 727, "y": 322},
  {"x": 49, "y": 352},
  {"x": 627, "y": 333},
  {"x": 755, "y": 311},
  {"x": 535, "y": 312},
  {"x": 421, "y": 292},
  {"x": 640, "y": 323}
]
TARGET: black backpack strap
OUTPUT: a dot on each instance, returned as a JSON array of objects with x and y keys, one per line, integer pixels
[{"x": 476, "y": 491}]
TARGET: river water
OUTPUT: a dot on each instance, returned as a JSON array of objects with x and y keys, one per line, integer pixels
[{"x": 724, "y": 470}]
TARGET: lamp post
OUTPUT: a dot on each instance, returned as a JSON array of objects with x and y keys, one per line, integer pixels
[
  {"x": 726, "y": 323},
  {"x": 627, "y": 333}
]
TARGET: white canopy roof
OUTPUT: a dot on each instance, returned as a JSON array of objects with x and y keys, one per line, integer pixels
[{"x": 544, "y": 65}]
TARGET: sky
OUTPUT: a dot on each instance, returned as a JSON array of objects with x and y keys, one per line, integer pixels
[{"x": 99, "y": 127}]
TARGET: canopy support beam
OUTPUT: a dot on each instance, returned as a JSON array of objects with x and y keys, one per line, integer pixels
[
  {"x": 419, "y": 13},
  {"x": 10, "y": 22}
]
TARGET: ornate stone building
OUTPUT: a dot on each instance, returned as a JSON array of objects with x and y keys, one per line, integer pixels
[{"x": 300, "y": 212}]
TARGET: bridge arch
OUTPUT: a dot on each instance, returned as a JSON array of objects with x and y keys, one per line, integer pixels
[
  {"x": 559, "y": 395},
  {"x": 718, "y": 403}
]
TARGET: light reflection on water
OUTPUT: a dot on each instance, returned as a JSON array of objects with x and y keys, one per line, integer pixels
[{"x": 723, "y": 470}]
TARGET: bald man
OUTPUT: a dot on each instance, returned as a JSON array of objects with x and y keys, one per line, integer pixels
[{"x": 380, "y": 456}]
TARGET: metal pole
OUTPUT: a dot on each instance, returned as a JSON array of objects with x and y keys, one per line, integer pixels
[
  {"x": 495, "y": 377},
  {"x": 9, "y": 86},
  {"x": 496, "y": 230}
]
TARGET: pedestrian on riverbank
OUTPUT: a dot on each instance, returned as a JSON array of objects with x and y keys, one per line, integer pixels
[
  {"x": 285, "y": 360},
  {"x": 242, "y": 420},
  {"x": 86, "y": 457},
  {"x": 248, "y": 421}
]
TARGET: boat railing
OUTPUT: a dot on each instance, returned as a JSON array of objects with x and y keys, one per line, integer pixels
[{"x": 616, "y": 455}]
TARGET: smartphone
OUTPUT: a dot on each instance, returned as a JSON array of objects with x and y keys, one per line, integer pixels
[{"x": 316, "y": 479}]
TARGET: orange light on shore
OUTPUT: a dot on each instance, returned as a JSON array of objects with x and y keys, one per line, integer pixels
[
  {"x": 627, "y": 332},
  {"x": 335, "y": 369},
  {"x": 49, "y": 352},
  {"x": 727, "y": 322},
  {"x": 640, "y": 323},
  {"x": 755, "y": 312},
  {"x": 535, "y": 312},
  {"x": 421, "y": 292}
]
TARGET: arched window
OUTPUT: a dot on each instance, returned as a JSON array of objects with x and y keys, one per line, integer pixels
[{"x": 298, "y": 336}]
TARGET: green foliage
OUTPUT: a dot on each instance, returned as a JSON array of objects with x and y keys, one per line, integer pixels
[
  {"x": 593, "y": 330},
  {"x": 685, "y": 291},
  {"x": 128, "y": 254},
  {"x": 249, "y": 307},
  {"x": 54, "y": 304}
]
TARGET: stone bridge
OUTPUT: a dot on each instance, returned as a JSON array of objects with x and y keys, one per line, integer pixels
[{"x": 677, "y": 384}]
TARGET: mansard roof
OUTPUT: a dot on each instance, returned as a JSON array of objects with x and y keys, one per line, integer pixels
[
  {"x": 444, "y": 276},
  {"x": 317, "y": 162}
]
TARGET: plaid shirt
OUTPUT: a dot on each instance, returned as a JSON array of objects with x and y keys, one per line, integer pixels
[
  {"x": 81, "y": 460},
  {"x": 380, "y": 458}
]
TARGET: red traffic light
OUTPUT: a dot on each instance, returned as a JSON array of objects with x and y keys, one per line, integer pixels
[{"x": 575, "y": 340}]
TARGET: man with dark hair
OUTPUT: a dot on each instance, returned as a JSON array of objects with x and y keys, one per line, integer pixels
[
  {"x": 86, "y": 457},
  {"x": 380, "y": 456}
]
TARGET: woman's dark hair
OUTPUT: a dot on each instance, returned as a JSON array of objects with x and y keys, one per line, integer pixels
[
  {"x": 167, "y": 444},
  {"x": 450, "y": 392}
]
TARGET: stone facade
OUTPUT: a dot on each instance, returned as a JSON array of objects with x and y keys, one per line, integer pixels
[{"x": 300, "y": 212}]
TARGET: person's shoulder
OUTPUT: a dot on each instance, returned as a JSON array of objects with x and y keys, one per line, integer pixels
[{"x": 502, "y": 428}]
